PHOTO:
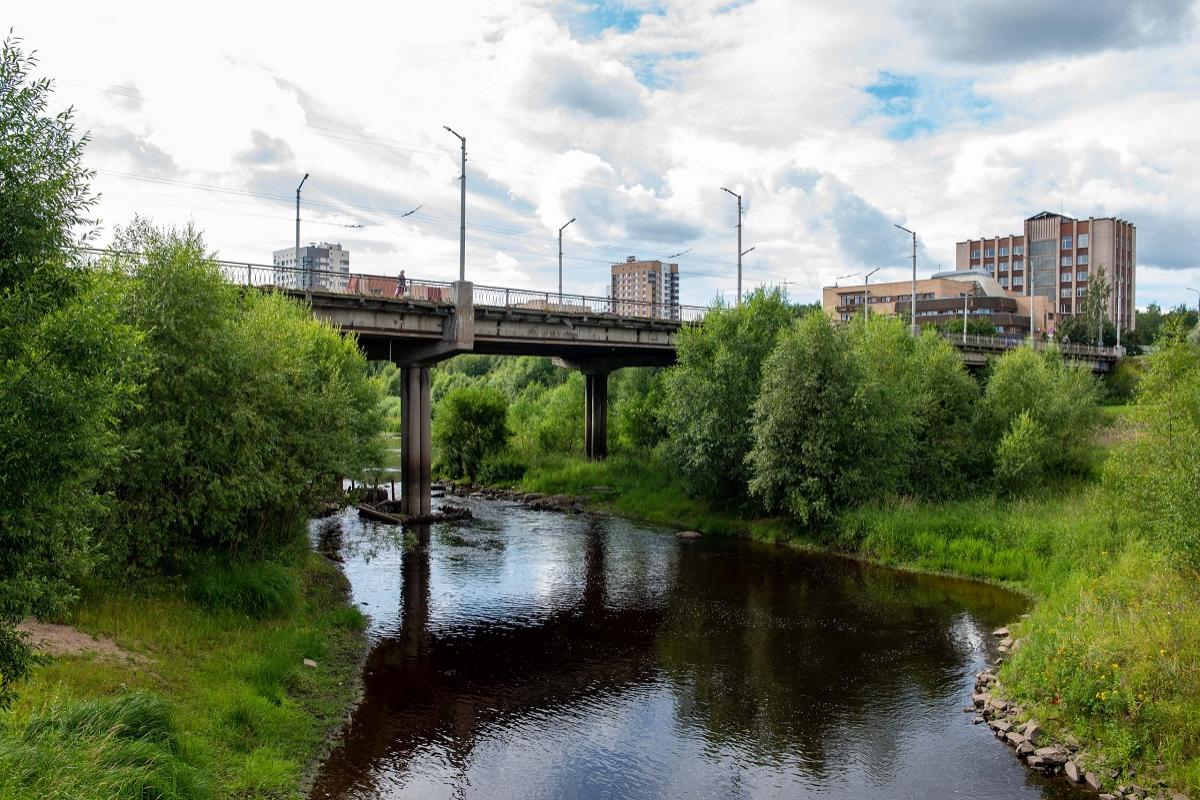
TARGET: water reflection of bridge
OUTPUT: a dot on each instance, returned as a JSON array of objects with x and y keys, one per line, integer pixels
[{"x": 420, "y": 686}]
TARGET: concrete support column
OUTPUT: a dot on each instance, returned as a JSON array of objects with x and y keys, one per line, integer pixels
[
  {"x": 416, "y": 442},
  {"x": 595, "y": 415}
]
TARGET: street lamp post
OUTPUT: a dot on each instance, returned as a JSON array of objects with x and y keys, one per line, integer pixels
[
  {"x": 560, "y": 230},
  {"x": 739, "y": 244},
  {"x": 913, "y": 299},
  {"x": 462, "y": 214},
  {"x": 307, "y": 279},
  {"x": 965, "y": 296},
  {"x": 867, "y": 291}
]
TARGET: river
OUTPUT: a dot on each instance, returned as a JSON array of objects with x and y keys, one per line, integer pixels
[{"x": 529, "y": 654}]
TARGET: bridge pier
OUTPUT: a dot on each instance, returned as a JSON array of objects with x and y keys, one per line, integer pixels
[
  {"x": 416, "y": 443},
  {"x": 595, "y": 415}
]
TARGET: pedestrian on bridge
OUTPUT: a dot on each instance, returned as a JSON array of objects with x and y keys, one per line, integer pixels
[{"x": 401, "y": 284}]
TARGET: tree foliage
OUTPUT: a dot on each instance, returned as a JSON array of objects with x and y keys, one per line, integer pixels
[
  {"x": 1060, "y": 397},
  {"x": 1157, "y": 473},
  {"x": 850, "y": 414},
  {"x": 711, "y": 392},
  {"x": 65, "y": 364},
  {"x": 470, "y": 425},
  {"x": 255, "y": 408}
]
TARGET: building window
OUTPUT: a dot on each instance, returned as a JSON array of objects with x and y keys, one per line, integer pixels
[
  {"x": 974, "y": 254},
  {"x": 1065, "y": 291},
  {"x": 1065, "y": 277},
  {"x": 1003, "y": 251},
  {"x": 1081, "y": 291},
  {"x": 990, "y": 252},
  {"x": 1066, "y": 261},
  {"x": 1065, "y": 308},
  {"x": 1081, "y": 258},
  {"x": 1083, "y": 240},
  {"x": 1018, "y": 249},
  {"x": 1017, "y": 263},
  {"x": 1066, "y": 243},
  {"x": 1017, "y": 281},
  {"x": 1004, "y": 280}
]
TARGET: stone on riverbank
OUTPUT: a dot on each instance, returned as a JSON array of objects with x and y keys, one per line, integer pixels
[
  {"x": 1091, "y": 781},
  {"x": 688, "y": 535},
  {"x": 1000, "y": 632},
  {"x": 1071, "y": 770}
]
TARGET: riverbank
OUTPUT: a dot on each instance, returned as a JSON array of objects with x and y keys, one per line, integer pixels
[
  {"x": 228, "y": 684},
  {"x": 1110, "y": 654}
]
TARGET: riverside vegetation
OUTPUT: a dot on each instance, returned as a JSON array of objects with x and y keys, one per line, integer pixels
[
  {"x": 861, "y": 439},
  {"x": 163, "y": 438}
]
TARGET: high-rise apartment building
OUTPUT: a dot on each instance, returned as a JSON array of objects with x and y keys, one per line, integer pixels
[
  {"x": 1055, "y": 257},
  {"x": 645, "y": 289},
  {"x": 324, "y": 266}
]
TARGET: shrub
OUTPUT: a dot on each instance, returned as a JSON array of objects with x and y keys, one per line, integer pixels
[
  {"x": 502, "y": 467},
  {"x": 1021, "y": 456},
  {"x": 1061, "y": 397},
  {"x": 253, "y": 408},
  {"x": 470, "y": 424},
  {"x": 1156, "y": 474}
]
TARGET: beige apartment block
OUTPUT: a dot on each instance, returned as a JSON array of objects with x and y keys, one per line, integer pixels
[{"x": 1054, "y": 258}]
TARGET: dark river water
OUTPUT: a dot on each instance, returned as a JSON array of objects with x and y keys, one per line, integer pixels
[{"x": 533, "y": 655}]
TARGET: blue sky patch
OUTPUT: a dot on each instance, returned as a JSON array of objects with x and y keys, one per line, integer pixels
[
  {"x": 609, "y": 15},
  {"x": 920, "y": 105}
]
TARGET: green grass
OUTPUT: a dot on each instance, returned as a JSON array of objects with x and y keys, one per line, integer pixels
[{"x": 217, "y": 703}]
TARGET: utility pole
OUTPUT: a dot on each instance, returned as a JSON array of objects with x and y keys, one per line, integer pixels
[
  {"x": 867, "y": 291},
  {"x": 307, "y": 274},
  {"x": 739, "y": 245},
  {"x": 913, "y": 304},
  {"x": 462, "y": 214},
  {"x": 560, "y": 230}
]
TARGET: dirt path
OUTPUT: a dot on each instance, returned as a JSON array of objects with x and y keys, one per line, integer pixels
[{"x": 63, "y": 640}]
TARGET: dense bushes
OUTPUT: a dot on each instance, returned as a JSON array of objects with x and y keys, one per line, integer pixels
[
  {"x": 1157, "y": 473},
  {"x": 67, "y": 363},
  {"x": 148, "y": 409},
  {"x": 250, "y": 408},
  {"x": 711, "y": 393},
  {"x": 849, "y": 414},
  {"x": 470, "y": 426}
]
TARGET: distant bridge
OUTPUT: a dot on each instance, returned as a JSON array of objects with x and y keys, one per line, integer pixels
[{"x": 417, "y": 323}]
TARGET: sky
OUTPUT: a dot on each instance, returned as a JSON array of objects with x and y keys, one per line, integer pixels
[{"x": 835, "y": 121}]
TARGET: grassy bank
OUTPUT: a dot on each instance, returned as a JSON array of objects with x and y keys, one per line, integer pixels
[
  {"x": 1110, "y": 653},
  {"x": 211, "y": 698}
]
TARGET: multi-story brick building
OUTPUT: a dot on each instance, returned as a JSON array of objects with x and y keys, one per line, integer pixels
[
  {"x": 943, "y": 297},
  {"x": 645, "y": 288},
  {"x": 1055, "y": 257}
]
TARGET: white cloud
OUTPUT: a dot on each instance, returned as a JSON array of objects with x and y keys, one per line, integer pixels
[{"x": 632, "y": 126}]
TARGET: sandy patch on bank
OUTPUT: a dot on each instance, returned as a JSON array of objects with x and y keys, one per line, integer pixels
[{"x": 63, "y": 640}]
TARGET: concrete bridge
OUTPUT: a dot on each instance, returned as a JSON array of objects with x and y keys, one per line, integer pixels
[{"x": 416, "y": 323}]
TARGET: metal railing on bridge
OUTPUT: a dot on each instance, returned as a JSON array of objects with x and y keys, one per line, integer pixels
[
  {"x": 293, "y": 279},
  {"x": 1009, "y": 342}
]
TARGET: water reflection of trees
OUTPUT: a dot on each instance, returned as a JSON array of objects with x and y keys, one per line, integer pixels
[
  {"x": 785, "y": 660},
  {"x": 802, "y": 659}
]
